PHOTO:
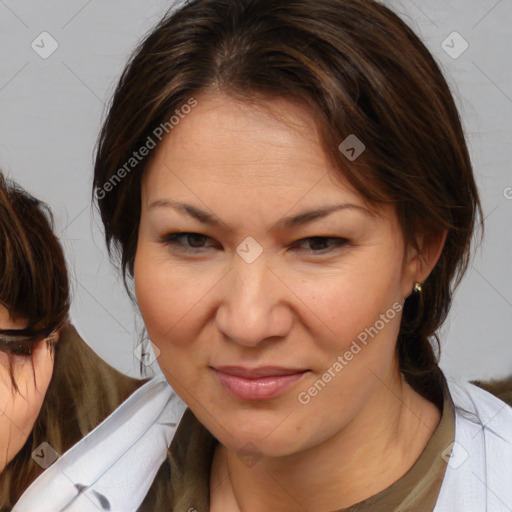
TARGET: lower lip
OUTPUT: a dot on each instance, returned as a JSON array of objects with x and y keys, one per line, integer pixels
[{"x": 262, "y": 388}]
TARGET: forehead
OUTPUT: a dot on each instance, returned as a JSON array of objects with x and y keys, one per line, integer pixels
[
  {"x": 4, "y": 315},
  {"x": 8, "y": 323},
  {"x": 242, "y": 147}
]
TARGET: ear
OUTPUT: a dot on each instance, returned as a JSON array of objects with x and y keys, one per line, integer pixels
[{"x": 420, "y": 262}]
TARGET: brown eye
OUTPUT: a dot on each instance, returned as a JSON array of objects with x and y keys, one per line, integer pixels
[
  {"x": 186, "y": 242},
  {"x": 322, "y": 244}
]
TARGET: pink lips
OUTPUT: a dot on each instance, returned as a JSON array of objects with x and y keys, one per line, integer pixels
[{"x": 260, "y": 383}]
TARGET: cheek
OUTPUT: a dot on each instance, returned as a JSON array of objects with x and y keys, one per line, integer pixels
[
  {"x": 348, "y": 300},
  {"x": 22, "y": 409},
  {"x": 169, "y": 298},
  {"x": 35, "y": 392},
  {"x": 360, "y": 312},
  {"x": 164, "y": 293}
]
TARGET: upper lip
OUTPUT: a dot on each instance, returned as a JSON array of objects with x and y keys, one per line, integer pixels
[{"x": 260, "y": 371}]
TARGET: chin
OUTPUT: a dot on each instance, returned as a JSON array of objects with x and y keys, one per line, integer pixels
[{"x": 258, "y": 433}]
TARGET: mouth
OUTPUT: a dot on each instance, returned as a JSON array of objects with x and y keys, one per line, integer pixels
[{"x": 262, "y": 383}]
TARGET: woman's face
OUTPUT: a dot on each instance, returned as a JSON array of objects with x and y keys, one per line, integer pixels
[
  {"x": 308, "y": 326},
  {"x": 19, "y": 410}
]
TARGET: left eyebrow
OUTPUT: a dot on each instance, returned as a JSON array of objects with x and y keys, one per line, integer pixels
[
  {"x": 286, "y": 222},
  {"x": 312, "y": 215}
]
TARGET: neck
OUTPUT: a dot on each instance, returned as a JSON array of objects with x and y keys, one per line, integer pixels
[{"x": 373, "y": 451}]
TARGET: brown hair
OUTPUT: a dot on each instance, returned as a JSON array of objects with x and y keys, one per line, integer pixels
[
  {"x": 34, "y": 283},
  {"x": 360, "y": 70},
  {"x": 34, "y": 286}
]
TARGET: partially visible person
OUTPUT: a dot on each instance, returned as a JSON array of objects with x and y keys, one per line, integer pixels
[
  {"x": 501, "y": 388},
  {"x": 53, "y": 387}
]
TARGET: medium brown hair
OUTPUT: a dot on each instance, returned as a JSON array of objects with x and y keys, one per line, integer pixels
[
  {"x": 34, "y": 286},
  {"x": 34, "y": 282},
  {"x": 360, "y": 70}
]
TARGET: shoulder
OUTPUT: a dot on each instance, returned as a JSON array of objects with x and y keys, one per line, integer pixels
[
  {"x": 482, "y": 418},
  {"x": 502, "y": 388},
  {"x": 115, "y": 464},
  {"x": 479, "y": 461},
  {"x": 479, "y": 406}
]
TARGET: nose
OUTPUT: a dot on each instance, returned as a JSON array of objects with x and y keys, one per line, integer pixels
[{"x": 254, "y": 304}]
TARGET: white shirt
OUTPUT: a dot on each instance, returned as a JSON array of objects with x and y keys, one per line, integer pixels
[
  {"x": 113, "y": 467},
  {"x": 478, "y": 477}
]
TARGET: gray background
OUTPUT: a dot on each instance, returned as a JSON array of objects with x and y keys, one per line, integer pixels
[{"x": 51, "y": 109}]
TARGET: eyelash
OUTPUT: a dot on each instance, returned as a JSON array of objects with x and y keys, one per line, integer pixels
[
  {"x": 19, "y": 348},
  {"x": 23, "y": 348},
  {"x": 173, "y": 239}
]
